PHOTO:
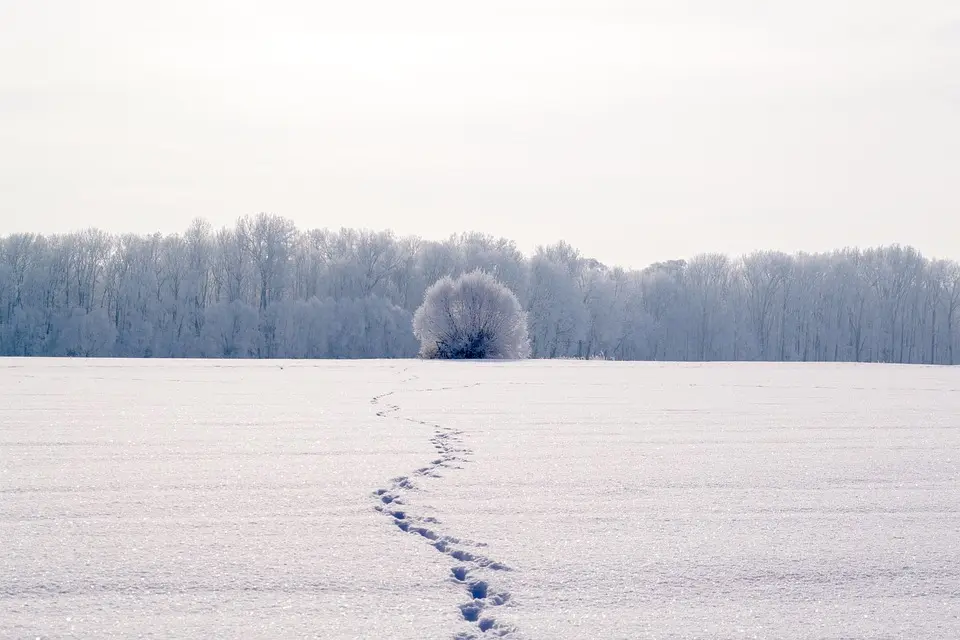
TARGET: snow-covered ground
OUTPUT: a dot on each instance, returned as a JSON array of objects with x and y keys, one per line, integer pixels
[{"x": 538, "y": 500}]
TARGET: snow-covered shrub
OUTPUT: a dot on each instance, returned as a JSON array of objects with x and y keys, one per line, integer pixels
[
  {"x": 87, "y": 334},
  {"x": 230, "y": 330},
  {"x": 474, "y": 316}
]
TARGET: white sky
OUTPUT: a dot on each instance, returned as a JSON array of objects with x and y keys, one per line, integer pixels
[{"x": 638, "y": 131}]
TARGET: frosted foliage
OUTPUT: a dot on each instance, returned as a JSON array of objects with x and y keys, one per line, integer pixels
[{"x": 474, "y": 316}]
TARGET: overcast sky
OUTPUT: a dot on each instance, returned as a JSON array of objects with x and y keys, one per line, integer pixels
[{"x": 638, "y": 131}]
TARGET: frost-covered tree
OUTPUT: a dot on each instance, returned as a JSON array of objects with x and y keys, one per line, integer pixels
[
  {"x": 474, "y": 316},
  {"x": 558, "y": 317}
]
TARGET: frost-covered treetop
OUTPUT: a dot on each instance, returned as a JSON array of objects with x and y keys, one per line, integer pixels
[{"x": 471, "y": 317}]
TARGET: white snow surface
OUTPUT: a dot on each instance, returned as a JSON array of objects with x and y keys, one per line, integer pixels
[{"x": 375, "y": 499}]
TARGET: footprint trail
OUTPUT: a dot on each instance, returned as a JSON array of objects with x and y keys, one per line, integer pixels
[{"x": 471, "y": 570}]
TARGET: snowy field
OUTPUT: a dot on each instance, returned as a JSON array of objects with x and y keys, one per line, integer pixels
[{"x": 536, "y": 500}]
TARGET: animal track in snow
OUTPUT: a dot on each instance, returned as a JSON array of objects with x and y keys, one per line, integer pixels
[{"x": 472, "y": 569}]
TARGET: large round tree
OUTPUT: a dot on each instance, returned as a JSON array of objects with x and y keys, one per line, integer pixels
[{"x": 472, "y": 317}]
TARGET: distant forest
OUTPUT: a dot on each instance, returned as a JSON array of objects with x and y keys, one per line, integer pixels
[{"x": 265, "y": 289}]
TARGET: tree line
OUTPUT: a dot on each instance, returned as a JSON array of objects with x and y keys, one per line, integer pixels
[{"x": 265, "y": 289}]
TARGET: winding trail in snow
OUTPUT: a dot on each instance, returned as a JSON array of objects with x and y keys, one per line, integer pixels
[{"x": 471, "y": 570}]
